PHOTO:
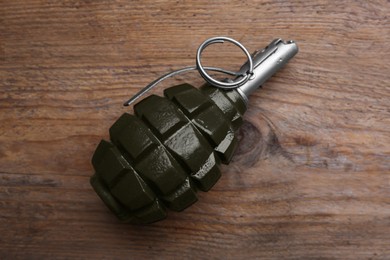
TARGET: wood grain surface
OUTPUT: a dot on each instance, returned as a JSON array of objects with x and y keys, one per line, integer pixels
[{"x": 311, "y": 177}]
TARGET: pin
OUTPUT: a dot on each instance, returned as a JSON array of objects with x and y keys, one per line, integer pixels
[{"x": 259, "y": 67}]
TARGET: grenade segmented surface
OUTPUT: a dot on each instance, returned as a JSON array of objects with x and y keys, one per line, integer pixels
[{"x": 172, "y": 146}]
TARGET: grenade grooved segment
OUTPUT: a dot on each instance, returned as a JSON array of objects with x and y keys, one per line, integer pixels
[
  {"x": 150, "y": 214},
  {"x": 207, "y": 117},
  {"x": 230, "y": 103},
  {"x": 189, "y": 99},
  {"x": 187, "y": 142},
  {"x": 150, "y": 158},
  {"x": 182, "y": 197},
  {"x": 212, "y": 124},
  {"x": 208, "y": 174},
  {"x": 161, "y": 169},
  {"x": 226, "y": 147},
  {"x": 120, "y": 187},
  {"x": 120, "y": 177},
  {"x": 171, "y": 147},
  {"x": 105, "y": 195},
  {"x": 132, "y": 135},
  {"x": 160, "y": 114}
]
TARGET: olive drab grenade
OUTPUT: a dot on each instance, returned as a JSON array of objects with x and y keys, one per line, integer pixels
[{"x": 174, "y": 145}]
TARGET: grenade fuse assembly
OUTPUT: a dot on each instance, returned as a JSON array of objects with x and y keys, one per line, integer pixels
[{"x": 173, "y": 145}]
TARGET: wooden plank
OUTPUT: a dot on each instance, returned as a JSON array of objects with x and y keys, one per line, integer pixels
[{"x": 311, "y": 177}]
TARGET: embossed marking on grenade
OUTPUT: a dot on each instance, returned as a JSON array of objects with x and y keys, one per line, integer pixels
[{"x": 173, "y": 145}]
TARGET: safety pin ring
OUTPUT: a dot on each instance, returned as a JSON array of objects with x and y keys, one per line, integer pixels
[{"x": 217, "y": 83}]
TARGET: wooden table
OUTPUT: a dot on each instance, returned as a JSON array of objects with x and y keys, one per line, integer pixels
[{"x": 311, "y": 177}]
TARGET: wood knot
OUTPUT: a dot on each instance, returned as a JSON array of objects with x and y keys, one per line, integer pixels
[
  {"x": 257, "y": 143},
  {"x": 248, "y": 137}
]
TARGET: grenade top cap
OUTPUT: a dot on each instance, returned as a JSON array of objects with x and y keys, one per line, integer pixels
[{"x": 267, "y": 62}]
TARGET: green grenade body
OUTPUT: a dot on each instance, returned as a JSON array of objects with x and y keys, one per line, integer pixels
[{"x": 172, "y": 146}]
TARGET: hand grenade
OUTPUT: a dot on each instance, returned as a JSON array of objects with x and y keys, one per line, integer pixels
[{"x": 173, "y": 145}]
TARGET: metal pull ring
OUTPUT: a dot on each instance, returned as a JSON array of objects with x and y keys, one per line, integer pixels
[{"x": 216, "y": 83}]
